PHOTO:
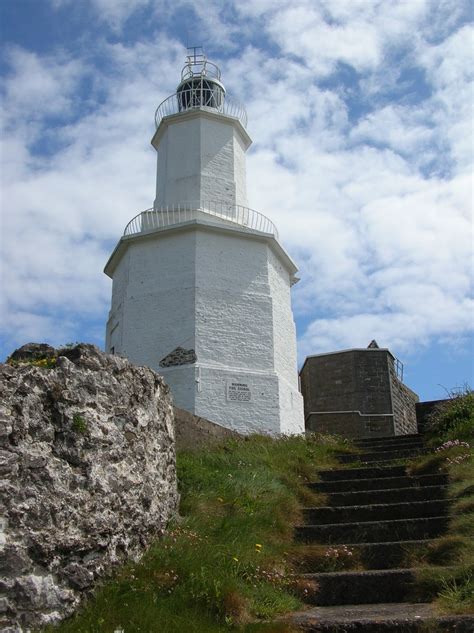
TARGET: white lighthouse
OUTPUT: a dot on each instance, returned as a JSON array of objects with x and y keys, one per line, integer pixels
[{"x": 201, "y": 283}]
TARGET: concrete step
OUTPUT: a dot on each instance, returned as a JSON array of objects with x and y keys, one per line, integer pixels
[
  {"x": 373, "y": 531},
  {"x": 378, "y": 463},
  {"x": 391, "y": 447},
  {"x": 386, "y": 555},
  {"x": 371, "y": 472},
  {"x": 395, "y": 495},
  {"x": 347, "y": 458},
  {"x": 362, "y": 587},
  {"x": 375, "y": 441},
  {"x": 401, "y": 617},
  {"x": 382, "y": 483},
  {"x": 376, "y": 512}
]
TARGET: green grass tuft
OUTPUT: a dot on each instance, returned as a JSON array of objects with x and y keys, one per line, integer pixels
[
  {"x": 451, "y": 431},
  {"x": 79, "y": 424}
]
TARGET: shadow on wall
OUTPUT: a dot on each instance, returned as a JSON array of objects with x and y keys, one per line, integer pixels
[{"x": 193, "y": 432}]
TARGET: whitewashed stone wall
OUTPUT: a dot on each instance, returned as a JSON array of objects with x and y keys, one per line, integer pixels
[
  {"x": 225, "y": 294},
  {"x": 219, "y": 292},
  {"x": 153, "y": 300},
  {"x": 201, "y": 157},
  {"x": 284, "y": 345}
]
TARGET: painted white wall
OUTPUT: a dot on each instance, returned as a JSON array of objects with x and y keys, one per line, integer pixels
[
  {"x": 226, "y": 294},
  {"x": 153, "y": 299},
  {"x": 210, "y": 286},
  {"x": 182, "y": 381},
  {"x": 201, "y": 157},
  {"x": 284, "y": 346}
]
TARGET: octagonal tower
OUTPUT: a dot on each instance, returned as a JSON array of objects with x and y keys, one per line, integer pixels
[{"x": 201, "y": 283}]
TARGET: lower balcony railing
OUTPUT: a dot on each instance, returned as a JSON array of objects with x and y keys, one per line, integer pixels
[{"x": 153, "y": 219}]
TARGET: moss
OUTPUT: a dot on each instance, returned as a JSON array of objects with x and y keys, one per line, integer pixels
[{"x": 79, "y": 424}]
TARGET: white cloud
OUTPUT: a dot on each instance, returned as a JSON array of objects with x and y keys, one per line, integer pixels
[
  {"x": 402, "y": 128},
  {"x": 63, "y": 211},
  {"x": 302, "y": 31},
  {"x": 114, "y": 13},
  {"x": 370, "y": 188}
]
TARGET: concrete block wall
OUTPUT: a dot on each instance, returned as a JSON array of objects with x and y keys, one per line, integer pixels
[
  {"x": 425, "y": 409},
  {"x": 404, "y": 404},
  {"x": 194, "y": 433},
  {"x": 356, "y": 393},
  {"x": 351, "y": 425}
]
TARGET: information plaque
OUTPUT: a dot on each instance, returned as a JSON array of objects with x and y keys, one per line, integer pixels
[{"x": 238, "y": 392}]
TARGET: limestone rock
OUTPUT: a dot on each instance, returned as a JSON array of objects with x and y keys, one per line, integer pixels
[{"x": 87, "y": 461}]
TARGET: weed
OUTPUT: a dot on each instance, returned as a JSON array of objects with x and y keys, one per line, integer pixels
[
  {"x": 79, "y": 424},
  {"x": 451, "y": 434},
  {"x": 454, "y": 419},
  {"x": 43, "y": 363},
  {"x": 457, "y": 595},
  {"x": 447, "y": 550},
  {"x": 325, "y": 558}
]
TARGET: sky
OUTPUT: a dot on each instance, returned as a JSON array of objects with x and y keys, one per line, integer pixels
[{"x": 360, "y": 113}]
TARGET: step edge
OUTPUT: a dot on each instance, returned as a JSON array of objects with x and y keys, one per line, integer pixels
[
  {"x": 362, "y": 523},
  {"x": 379, "y": 490},
  {"x": 378, "y": 505},
  {"x": 310, "y": 483},
  {"x": 405, "y": 571}
]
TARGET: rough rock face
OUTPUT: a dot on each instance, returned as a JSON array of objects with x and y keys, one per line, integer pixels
[{"x": 87, "y": 459}]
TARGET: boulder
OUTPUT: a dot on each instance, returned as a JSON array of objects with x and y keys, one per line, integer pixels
[{"x": 87, "y": 460}]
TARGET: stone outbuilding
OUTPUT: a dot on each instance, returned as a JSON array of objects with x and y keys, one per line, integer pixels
[{"x": 357, "y": 393}]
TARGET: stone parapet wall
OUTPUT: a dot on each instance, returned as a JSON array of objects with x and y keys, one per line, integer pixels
[
  {"x": 87, "y": 456},
  {"x": 403, "y": 404},
  {"x": 193, "y": 432},
  {"x": 425, "y": 409},
  {"x": 351, "y": 425}
]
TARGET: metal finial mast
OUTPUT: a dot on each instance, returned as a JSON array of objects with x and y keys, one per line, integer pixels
[{"x": 193, "y": 58}]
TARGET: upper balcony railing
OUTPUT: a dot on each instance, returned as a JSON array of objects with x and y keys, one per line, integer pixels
[
  {"x": 204, "y": 96},
  {"x": 199, "y": 65},
  {"x": 172, "y": 215}
]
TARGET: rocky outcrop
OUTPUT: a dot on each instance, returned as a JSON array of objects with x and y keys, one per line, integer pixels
[{"x": 87, "y": 459}]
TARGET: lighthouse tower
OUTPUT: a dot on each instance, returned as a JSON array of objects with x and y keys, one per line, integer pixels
[{"x": 201, "y": 283}]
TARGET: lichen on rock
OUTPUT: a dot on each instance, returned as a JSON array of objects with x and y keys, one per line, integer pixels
[{"x": 87, "y": 460}]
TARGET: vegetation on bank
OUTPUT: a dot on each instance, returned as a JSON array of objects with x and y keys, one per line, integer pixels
[
  {"x": 230, "y": 561},
  {"x": 448, "y": 562}
]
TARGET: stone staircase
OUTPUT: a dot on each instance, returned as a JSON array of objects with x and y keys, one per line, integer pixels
[{"x": 380, "y": 514}]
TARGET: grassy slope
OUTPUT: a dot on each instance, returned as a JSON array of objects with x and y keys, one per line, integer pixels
[
  {"x": 228, "y": 561},
  {"x": 450, "y": 558}
]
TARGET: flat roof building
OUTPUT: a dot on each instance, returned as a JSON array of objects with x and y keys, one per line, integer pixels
[{"x": 357, "y": 393}]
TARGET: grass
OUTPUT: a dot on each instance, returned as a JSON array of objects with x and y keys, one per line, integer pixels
[
  {"x": 451, "y": 434},
  {"x": 228, "y": 562},
  {"x": 79, "y": 424}
]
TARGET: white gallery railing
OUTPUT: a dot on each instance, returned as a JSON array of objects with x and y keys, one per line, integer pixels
[
  {"x": 204, "y": 97},
  {"x": 153, "y": 219}
]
